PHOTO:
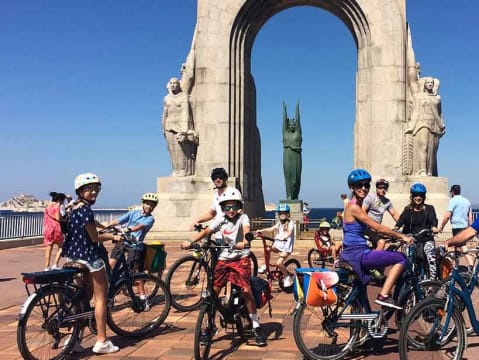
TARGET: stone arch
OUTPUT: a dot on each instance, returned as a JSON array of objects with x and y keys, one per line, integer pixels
[{"x": 224, "y": 93}]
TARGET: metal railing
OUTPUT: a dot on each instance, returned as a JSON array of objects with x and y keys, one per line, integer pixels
[{"x": 31, "y": 225}]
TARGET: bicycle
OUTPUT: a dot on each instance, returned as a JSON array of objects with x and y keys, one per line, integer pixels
[
  {"x": 333, "y": 331},
  {"x": 231, "y": 311},
  {"x": 321, "y": 254},
  {"x": 54, "y": 316},
  {"x": 187, "y": 277},
  {"x": 273, "y": 271},
  {"x": 437, "y": 324}
]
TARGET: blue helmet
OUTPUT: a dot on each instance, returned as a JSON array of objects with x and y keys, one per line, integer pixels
[
  {"x": 358, "y": 175},
  {"x": 283, "y": 208},
  {"x": 418, "y": 188}
]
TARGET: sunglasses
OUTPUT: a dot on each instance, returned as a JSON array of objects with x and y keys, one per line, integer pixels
[
  {"x": 283, "y": 213},
  {"x": 92, "y": 187},
  {"x": 231, "y": 207},
  {"x": 382, "y": 187},
  {"x": 361, "y": 185},
  {"x": 418, "y": 195}
]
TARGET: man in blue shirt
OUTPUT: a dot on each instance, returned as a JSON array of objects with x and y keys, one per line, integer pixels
[{"x": 459, "y": 211}]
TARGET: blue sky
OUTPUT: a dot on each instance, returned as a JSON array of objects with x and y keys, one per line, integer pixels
[{"x": 82, "y": 85}]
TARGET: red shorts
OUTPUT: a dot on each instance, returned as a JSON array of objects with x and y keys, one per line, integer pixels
[{"x": 238, "y": 272}]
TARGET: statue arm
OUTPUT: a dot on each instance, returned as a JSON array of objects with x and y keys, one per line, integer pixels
[
  {"x": 298, "y": 122},
  {"x": 285, "y": 119},
  {"x": 164, "y": 116}
]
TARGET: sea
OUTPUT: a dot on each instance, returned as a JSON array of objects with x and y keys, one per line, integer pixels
[{"x": 316, "y": 213}]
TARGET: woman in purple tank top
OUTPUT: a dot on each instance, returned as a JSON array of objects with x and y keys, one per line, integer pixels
[{"x": 355, "y": 248}]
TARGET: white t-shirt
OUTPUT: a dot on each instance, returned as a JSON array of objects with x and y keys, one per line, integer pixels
[
  {"x": 283, "y": 242},
  {"x": 230, "y": 234}
]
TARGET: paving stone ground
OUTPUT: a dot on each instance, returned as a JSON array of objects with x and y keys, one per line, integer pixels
[{"x": 175, "y": 338}]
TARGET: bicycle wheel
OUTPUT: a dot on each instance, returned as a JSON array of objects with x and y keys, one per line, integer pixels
[
  {"x": 254, "y": 264},
  {"x": 315, "y": 259},
  {"x": 185, "y": 280},
  {"x": 204, "y": 331},
  {"x": 291, "y": 265},
  {"x": 140, "y": 317},
  {"x": 424, "y": 336},
  {"x": 41, "y": 334},
  {"x": 320, "y": 335},
  {"x": 409, "y": 298}
]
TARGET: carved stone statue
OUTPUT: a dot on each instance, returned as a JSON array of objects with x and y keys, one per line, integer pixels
[
  {"x": 292, "y": 163},
  {"x": 426, "y": 126},
  {"x": 178, "y": 129}
]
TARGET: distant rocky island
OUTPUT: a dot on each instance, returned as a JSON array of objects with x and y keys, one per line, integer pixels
[{"x": 23, "y": 202}]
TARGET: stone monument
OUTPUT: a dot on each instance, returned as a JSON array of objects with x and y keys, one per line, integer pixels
[
  {"x": 222, "y": 93},
  {"x": 292, "y": 142}
]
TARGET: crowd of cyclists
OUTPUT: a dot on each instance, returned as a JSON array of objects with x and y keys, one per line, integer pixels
[{"x": 362, "y": 246}]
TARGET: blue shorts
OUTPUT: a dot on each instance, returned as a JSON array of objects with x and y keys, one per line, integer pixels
[{"x": 93, "y": 266}]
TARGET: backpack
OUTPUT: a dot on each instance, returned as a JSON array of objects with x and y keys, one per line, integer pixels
[{"x": 261, "y": 290}]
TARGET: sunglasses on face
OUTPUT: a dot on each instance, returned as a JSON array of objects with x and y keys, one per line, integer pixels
[
  {"x": 381, "y": 187},
  {"x": 361, "y": 185},
  {"x": 231, "y": 207},
  {"x": 92, "y": 187},
  {"x": 283, "y": 213},
  {"x": 421, "y": 195}
]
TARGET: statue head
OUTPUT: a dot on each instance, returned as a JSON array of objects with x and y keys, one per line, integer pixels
[
  {"x": 292, "y": 124},
  {"x": 174, "y": 86}
]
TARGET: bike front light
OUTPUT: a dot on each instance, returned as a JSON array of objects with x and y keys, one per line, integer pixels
[{"x": 205, "y": 294}]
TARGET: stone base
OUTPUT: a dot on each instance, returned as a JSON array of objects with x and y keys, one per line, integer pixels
[
  {"x": 437, "y": 194},
  {"x": 180, "y": 200}
]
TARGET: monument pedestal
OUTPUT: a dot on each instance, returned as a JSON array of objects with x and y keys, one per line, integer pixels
[
  {"x": 295, "y": 210},
  {"x": 180, "y": 200},
  {"x": 398, "y": 193}
]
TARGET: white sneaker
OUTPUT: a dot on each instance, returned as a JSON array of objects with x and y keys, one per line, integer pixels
[
  {"x": 47, "y": 268},
  {"x": 106, "y": 347},
  {"x": 262, "y": 269},
  {"x": 54, "y": 267},
  {"x": 288, "y": 281}
]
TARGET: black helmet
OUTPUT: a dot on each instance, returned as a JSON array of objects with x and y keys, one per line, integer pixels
[{"x": 219, "y": 173}]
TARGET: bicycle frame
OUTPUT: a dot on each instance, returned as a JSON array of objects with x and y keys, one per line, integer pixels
[{"x": 464, "y": 292}]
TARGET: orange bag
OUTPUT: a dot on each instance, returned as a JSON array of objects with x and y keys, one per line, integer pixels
[{"x": 316, "y": 286}]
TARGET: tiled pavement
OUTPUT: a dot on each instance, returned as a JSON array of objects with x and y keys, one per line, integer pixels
[{"x": 175, "y": 338}]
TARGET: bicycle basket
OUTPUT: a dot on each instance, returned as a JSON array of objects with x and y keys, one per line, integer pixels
[{"x": 315, "y": 286}]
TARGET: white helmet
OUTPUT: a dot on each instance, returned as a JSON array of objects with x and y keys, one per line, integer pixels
[
  {"x": 231, "y": 194},
  {"x": 85, "y": 179}
]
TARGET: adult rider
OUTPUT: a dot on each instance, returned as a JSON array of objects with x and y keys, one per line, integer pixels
[{"x": 355, "y": 246}]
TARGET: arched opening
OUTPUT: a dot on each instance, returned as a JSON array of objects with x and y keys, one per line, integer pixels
[
  {"x": 243, "y": 132},
  {"x": 307, "y": 54}
]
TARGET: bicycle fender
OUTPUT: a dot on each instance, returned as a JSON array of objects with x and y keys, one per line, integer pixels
[{"x": 24, "y": 308}]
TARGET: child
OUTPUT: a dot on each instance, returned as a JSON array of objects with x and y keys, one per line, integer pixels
[
  {"x": 325, "y": 244},
  {"x": 82, "y": 244},
  {"x": 284, "y": 241},
  {"x": 233, "y": 264}
]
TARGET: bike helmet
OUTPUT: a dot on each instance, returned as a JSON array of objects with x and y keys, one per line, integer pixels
[
  {"x": 382, "y": 182},
  {"x": 283, "y": 208},
  {"x": 150, "y": 197},
  {"x": 231, "y": 194},
  {"x": 324, "y": 224},
  {"x": 358, "y": 175},
  {"x": 219, "y": 173},
  {"x": 418, "y": 188},
  {"x": 86, "y": 179}
]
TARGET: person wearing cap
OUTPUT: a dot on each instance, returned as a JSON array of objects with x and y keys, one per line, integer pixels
[
  {"x": 376, "y": 204},
  {"x": 459, "y": 213},
  {"x": 284, "y": 231},
  {"x": 324, "y": 242}
]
